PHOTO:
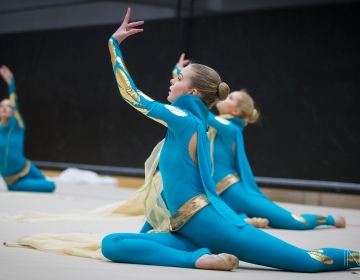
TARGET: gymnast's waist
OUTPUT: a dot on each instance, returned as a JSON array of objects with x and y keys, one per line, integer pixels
[
  {"x": 227, "y": 182},
  {"x": 187, "y": 211},
  {"x": 11, "y": 179}
]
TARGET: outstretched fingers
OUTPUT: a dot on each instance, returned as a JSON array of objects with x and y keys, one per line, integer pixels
[
  {"x": 127, "y": 16},
  {"x": 136, "y": 23},
  {"x": 134, "y": 31}
]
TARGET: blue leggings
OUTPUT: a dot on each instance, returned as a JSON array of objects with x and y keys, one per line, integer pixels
[
  {"x": 203, "y": 235},
  {"x": 34, "y": 181},
  {"x": 259, "y": 206}
]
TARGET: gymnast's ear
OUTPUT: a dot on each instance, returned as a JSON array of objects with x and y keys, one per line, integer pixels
[{"x": 195, "y": 92}]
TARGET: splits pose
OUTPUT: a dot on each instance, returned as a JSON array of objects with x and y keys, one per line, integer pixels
[
  {"x": 235, "y": 182},
  {"x": 18, "y": 172},
  {"x": 200, "y": 222}
]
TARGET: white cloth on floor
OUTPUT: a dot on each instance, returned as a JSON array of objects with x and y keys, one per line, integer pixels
[{"x": 79, "y": 176}]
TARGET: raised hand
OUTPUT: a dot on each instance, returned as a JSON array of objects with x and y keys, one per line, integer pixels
[
  {"x": 6, "y": 74},
  {"x": 182, "y": 62},
  {"x": 126, "y": 29}
]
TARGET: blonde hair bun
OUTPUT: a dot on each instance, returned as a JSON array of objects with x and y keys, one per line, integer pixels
[
  {"x": 223, "y": 91},
  {"x": 254, "y": 116}
]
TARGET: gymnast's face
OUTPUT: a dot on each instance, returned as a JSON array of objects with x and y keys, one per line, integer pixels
[
  {"x": 230, "y": 105},
  {"x": 180, "y": 85},
  {"x": 5, "y": 109}
]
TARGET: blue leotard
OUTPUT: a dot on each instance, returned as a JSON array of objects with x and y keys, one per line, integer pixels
[
  {"x": 212, "y": 229},
  {"x": 12, "y": 159}
]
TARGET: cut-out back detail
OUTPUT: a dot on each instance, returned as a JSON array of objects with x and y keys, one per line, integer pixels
[{"x": 193, "y": 149}]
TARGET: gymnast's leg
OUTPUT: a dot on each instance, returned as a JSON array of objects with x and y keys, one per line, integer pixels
[
  {"x": 164, "y": 249},
  {"x": 208, "y": 229},
  {"x": 259, "y": 206},
  {"x": 34, "y": 181}
]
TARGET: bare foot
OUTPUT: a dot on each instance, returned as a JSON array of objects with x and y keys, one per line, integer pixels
[
  {"x": 339, "y": 221},
  {"x": 217, "y": 262},
  {"x": 257, "y": 222}
]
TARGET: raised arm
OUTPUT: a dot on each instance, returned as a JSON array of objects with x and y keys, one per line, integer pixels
[
  {"x": 180, "y": 66},
  {"x": 8, "y": 77},
  {"x": 169, "y": 116},
  {"x": 222, "y": 125}
]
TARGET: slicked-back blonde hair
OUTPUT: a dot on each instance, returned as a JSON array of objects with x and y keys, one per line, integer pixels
[{"x": 208, "y": 82}]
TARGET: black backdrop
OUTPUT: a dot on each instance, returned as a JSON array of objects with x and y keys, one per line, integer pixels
[{"x": 302, "y": 67}]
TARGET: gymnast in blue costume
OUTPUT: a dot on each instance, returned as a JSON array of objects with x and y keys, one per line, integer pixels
[
  {"x": 232, "y": 173},
  {"x": 18, "y": 172},
  {"x": 201, "y": 224}
]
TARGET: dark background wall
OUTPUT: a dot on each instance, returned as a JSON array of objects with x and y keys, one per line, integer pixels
[{"x": 302, "y": 67}]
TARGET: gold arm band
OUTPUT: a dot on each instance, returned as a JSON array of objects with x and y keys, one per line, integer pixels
[
  {"x": 187, "y": 210},
  {"x": 13, "y": 178},
  {"x": 227, "y": 182}
]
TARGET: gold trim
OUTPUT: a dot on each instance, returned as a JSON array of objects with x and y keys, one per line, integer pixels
[
  {"x": 187, "y": 210},
  {"x": 317, "y": 255},
  {"x": 131, "y": 95},
  {"x": 354, "y": 256},
  {"x": 13, "y": 178},
  {"x": 300, "y": 218},
  {"x": 227, "y": 182},
  {"x": 321, "y": 219}
]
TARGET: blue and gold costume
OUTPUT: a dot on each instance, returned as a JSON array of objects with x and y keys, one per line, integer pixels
[
  {"x": 235, "y": 181},
  {"x": 214, "y": 227},
  {"x": 19, "y": 173},
  {"x": 236, "y": 184}
]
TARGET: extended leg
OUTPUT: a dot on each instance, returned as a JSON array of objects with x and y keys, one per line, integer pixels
[
  {"x": 164, "y": 249},
  {"x": 208, "y": 229},
  {"x": 259, "y": 206}
]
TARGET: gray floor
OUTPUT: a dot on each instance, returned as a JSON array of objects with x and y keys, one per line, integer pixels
[{"x": 33, "y": 264}]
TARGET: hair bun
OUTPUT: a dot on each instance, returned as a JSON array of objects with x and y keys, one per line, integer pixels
[
  {"x": 223, "y": 91},
  {"x": 254, "y": 116}
]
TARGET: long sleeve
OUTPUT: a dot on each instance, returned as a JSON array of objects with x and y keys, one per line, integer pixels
[
  {"x": 175, "y": 72},
  {"x": 222, "y": 125},
  {"x": 172, "y": 117},
  {"x": 14, "y": 103}
]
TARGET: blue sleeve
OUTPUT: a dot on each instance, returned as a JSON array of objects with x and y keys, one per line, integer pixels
[
  {"x": 175, "y": 72},
  {"x": 169, "y": 116},
  {"x": 222, "y": 125},
  {"x": 14, "y": 105}
]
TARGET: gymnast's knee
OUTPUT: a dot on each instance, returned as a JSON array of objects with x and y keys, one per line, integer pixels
[
  {"x": 51, "y": 187},
  {"x": 310, "y": 265},
  {"x": 112, "y": 248}
]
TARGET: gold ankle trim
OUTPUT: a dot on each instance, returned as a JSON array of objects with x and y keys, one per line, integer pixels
[
  {"x": 321, "y": 219},
  {"x": 187, "y": 210},
  {"x": 354, "y": 257}
]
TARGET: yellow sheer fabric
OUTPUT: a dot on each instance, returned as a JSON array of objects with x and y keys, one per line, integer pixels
[
  {"x": 84, "y": 245},
  {"x": 147, "y": 199},
  {"x": 156, "y": 212}
]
